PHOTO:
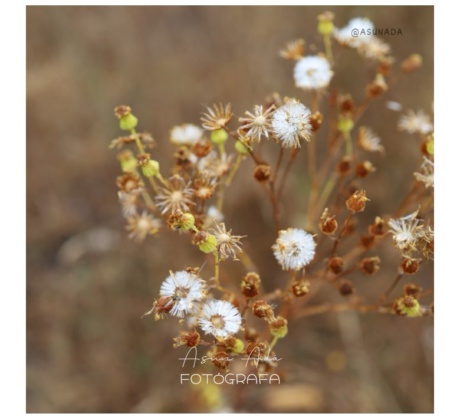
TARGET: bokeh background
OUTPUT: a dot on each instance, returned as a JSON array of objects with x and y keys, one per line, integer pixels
[{"x": 88, "y": 350}]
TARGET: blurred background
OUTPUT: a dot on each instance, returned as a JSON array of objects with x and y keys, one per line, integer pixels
[{"x": 88, "y": 350}]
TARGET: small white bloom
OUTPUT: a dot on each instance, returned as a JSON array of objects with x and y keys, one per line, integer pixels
[
  {"x": 184, "y": 289},
  {"x": 406, "y": 231},
  {"x": 185, "y": 134},
  {"x": 426, "y": 174},
  {"x": 355, "y": 33},
  {"x": 312, "y": 72},
  {"x": 290, "y": 123},
  {"x": 415, "y": 122},
  {"x": 369, "y": 141},
  {"x": 374, "y": 49},
  {"x": 294, "y": 249},
  {"x": 393, "y": 106},
  {"x": 220, "y": 318}
]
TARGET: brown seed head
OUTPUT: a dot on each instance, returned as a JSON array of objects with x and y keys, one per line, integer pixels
[
  {"x": 220, "y": 360},
  {"x": 364, "y": 168},
  {"x": 378, "y": 228},
  {"x": 328, "y": 224},
  {"x": 300, "y": 287},
  {"x": 409, "y": 265},
  {"x": 344, "y": 166},
  {"x": 187, "y": 338},
  {"x": 202, "y": 147},
  {"x": 370, "y": 265},
  {"x": 262, "y": 172},
  {"x": 377, "y": 87},
  {"x": 357, "y": 202},
  {"x": 143, "y": 159},
  {"x": 316, "y": 120},
  {"x": 262, "y": 309},
  {"x": 346, "y": 105},
  {"x": 250, "y": 285},
  {"x": 122, "y": 111},
  {"x": 336, "y": 265},
  {"x": 367, "y": 241},
  {"x": 129, "y": 182},
  {"x": 412, "y": 289},
  {"x": 346, "y": 287}
]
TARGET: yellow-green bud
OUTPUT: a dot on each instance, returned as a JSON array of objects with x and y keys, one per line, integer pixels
[
  {"x": 181, "y": 221},
  {"x": 238, "y": 346},
  {"x": 219, "y": 136},
  {"x": 127, "y": 161},
  {"x": 345, "y": 124},
  {"x": 407, "y": 306},
  {"x": 152, "y": 168},
  {"x": 278, "y": 327},
  {"x": 209, "y": 245},
  {"x": 128, "y": 122},
  {"x": 241, "y": 148},
  {"x": 430, "y": 146},
  {"x": 325, "y": 24}
]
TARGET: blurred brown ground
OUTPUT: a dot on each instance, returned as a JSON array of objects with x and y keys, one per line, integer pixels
[{"x": 87, "y": 285}]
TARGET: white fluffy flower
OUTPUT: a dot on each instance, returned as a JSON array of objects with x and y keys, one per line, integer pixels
[
  {"x": 294, "y": 249},
  {"x": 415, "y": 122},
  {"x": 357, "y": 32},
  {"x": 426, "y": 174},
  {"x": 312, "y": 72},
  {"x": 220, "y": 318},
  {"x": 290, "y": 123},
  {"x": 406, "y": 231},
  {"x": 184, "y": 289},
  {"x": 185, "y": 134}
]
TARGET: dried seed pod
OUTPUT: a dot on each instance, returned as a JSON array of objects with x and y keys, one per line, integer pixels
[
  {"x": 262, "y": 309},
  {"x": 262, "y": 172},
  {"x": 409, "y": 265},
  {"x": 187, "y": 338},
  {"x": 363, "y": 169},
  {"x": 411, "y": 63},
  {"x": 316, "y": 120},
  {"x": 378, "y": 228},
  {"x": 370, "y": 265},
  {"x": 336, "y": 265},
  {"x": 250, "y": 285},
  {"x": 328, "y": 224},
  {"x": 220, "y": 360},
  {"x": 413, "y": 290},
  {"x": 357, "y": 202},
  {"x": 300, "y": 287},
  {"x": 346, "y": 287}
]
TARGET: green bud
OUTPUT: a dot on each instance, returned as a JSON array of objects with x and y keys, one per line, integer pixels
[
  {"x": 152, "y": 168},
  {"x": 208, "y": 245},
  {"x": 345, "y": 124},
  {"x": 128, "y": 122},
  {"x": 430, "y": 147},
  {"x": 238, "y": 347},
  {"x": 219, "y": 136},
  {"x": 241, "y": 148},
  {"x": 325, "y": 27},
  {"x": 188, "y": 221},
  {"x": 278, "y": 327}
]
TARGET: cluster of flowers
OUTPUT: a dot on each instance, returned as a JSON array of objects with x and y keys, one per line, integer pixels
[{"x": 191, "y": 199}]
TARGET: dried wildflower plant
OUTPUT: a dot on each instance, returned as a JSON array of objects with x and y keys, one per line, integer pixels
[{"x": 333, "y": 246}]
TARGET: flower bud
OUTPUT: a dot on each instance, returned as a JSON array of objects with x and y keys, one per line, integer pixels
[
  {"x": 345, "y": 124},
  {"x": 326, "y": 23},
  {"x": 278, "y": 327},
  {"x": 181, "y": 221},
  {"x": 250, "y": 285},
  {"x": 127, "y": 161},
  {"x": 219, "y": 136},
  {"x": 233, "y": 345},
  {"x": 127, "y": 120},
  {"x": 241, "y": 148},
  {"x": 129, "y": 182},
  {"x": 407, "y": 306},
  {"x": 357, "y": 202},
  {"x": 151, "y": 168},
  {"x": 206, "y": 243},
  {"x": 346, "y": 105},
  {"x": 262, "y": 309}
]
